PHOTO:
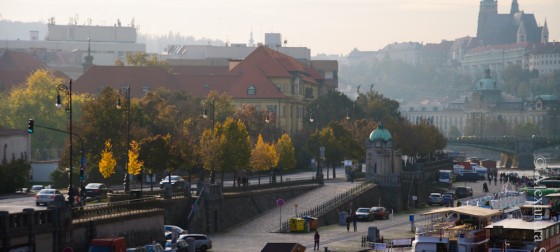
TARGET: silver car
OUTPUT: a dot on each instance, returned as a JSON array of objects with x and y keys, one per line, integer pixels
[{"x": 46, "y": 196}]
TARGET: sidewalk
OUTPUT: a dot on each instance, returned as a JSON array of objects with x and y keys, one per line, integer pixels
[{"x": 255, "y": 234}]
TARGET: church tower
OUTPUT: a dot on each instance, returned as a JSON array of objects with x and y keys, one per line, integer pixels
[
  {"x": 521, "y": 32},
  {"x": 487, "y": 8},
  {"x": 514, "y": 7},
  {"x": 544, "y": 33},
  {"x": 88, "y": 60}
]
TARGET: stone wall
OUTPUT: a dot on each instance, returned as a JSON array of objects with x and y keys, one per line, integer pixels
[{"x": 240, "y": 207}]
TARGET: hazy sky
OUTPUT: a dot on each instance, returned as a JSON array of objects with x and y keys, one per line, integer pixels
[{"x": 324, "y": 26}]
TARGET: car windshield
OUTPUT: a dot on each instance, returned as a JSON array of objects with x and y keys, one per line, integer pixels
[
  {"x": 47, "y": 191},
  {"x": 362, "y": 210},
  {"x": 92, "y": 186},
  {"x": 377, "y": 209}
]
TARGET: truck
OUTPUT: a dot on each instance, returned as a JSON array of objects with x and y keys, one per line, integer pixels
[{"x": 112, "y": 244}]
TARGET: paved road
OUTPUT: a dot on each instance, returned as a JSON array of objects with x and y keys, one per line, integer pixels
[{"x": 256, "y": 233}]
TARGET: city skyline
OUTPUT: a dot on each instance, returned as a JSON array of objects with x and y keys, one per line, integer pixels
[{"x": 331, "y": 27}]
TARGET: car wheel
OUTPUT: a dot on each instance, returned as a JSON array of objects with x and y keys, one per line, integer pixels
[
  {"x": 203, "y": 248},
  {"x": 38, "y": 204}
]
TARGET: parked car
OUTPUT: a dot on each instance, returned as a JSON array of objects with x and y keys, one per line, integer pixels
[
  {"x": 364, "y": 214},
  {"x": 168, "y": 231},
  {"x": 37, "y": 188},
  {"x": 176, "y": 182},
  {"x": 463, "y": 191},
  {"x": 96, "y": 190},
  {"x": 201, "y": 241},
  {"x": 46, "y": 196},
  {"x": 448, "y": 198},
  {"x": 435, "y": 199},
  {"x": 467, "y": 176},
  {"x": 380, "y": 213},
  {"x": 179, "y": 246}
]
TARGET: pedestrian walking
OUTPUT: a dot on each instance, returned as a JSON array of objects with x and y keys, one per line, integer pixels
[
  {"x": 495, "y": 180},
  {"x": 354, "y": 222},
  {"x": 348, "y": 220},
  {"x": 316, "y": 238},
  {"x": 485, "y": 187}
]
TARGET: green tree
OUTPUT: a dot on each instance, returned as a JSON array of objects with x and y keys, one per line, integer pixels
[
  {"x": 142, "y": 59},
  {"x": 35, "y": 99},
  {"x": 323, "y": 138},
  {"x": 100, "y": 121},
  {"x": 155, "y": 153},
  {"x": 235, "y": 147},
  {"x": 286, "y": 153},
  {"x": 15, "y": 174},
  {"x": 254, "y": 120},
  {"x": 210, "y": 150},
  {"x": 223, "y": 107},
  {"x": 526, "y": 130},
  {"x": 332, "y": 106}
]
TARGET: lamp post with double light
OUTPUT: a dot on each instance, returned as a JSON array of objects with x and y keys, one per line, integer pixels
[
  {"x": 67, "y": 91},
  {"x": 126, "y": 93}
]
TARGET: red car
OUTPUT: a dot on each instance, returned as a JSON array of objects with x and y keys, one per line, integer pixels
[{"x": 380, "y": 213}]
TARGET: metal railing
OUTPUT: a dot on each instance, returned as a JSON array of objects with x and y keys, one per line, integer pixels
[
  {"x": 113, "y": 209},
  {"x": 331, "y": 204},
  {"x": 267, "y": 184}
]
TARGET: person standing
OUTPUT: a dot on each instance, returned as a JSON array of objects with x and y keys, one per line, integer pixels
[
  {"x": 316, "y": 238},
  {"x": 348, "y": 220},
  {"x": 354, "y": 222}
]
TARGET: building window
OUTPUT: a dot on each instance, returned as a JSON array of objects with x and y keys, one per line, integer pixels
[{"x": 251, "y": 90}]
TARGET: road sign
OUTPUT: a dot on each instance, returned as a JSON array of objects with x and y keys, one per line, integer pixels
[
  {"x": 322, "y": 150},
  {"x": 279, "y": 202}
]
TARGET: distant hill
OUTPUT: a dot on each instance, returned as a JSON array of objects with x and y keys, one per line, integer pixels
[{"x": 14, "y": 30}]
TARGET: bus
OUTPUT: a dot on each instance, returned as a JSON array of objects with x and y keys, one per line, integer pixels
[
  {"x": 445, "y": 176},
  {"x": 538, "y": 193}
]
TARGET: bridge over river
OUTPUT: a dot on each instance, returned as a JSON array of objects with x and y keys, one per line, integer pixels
[{"x": 515, "y": 151}]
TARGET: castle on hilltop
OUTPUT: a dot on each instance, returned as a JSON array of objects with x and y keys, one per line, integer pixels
[{"x": 511, "y": 28}]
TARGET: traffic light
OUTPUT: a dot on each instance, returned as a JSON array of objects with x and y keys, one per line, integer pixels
[
  {"x": 82, "y": 168},
  {"x": 30, "y": 126}
]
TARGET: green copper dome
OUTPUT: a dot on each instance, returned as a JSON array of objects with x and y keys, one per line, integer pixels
[
  {"x": 380, "y": 134},
  {"x": 486, "y": 83}
]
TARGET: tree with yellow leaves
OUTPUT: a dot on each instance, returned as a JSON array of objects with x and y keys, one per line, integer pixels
[
  {"x": 286, "y": 152},
  {"x": 263, "y": 156},
  {"x": 107, "y": 163},
  {"x": 134, "y": 164}
]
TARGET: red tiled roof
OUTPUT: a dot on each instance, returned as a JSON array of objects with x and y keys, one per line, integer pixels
[
  {"x": 255, "y": 70},
  {"x": 12, "y": 60},
  {"x": 499, "y": 47},
  {"x": 270, "y": 62},
  {"x": 15, "y": 68},
  {"x": 119, "y": 76},
  {"x": 263, "y": 86},
  {"x": 200, "y": 69},
  {"x": 200, "y": 85}
]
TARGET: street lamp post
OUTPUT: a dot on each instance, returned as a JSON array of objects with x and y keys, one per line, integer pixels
[
  {"x": 319, "y": 168},
  {"x": 126, "y": 92},
  {"x": 67, "y": 90},
  {"x": 205, "y": 115},
  {"x": 213, "y": 114}
]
